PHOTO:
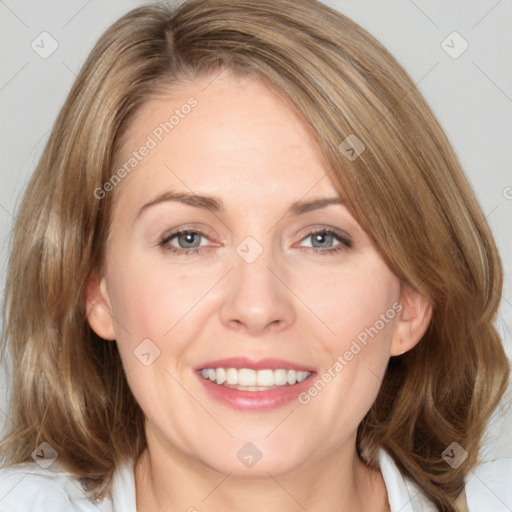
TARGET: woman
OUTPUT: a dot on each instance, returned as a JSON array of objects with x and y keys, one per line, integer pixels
[{"x": 249, "y": 273}]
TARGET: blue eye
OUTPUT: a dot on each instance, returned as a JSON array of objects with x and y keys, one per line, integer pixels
[
  {"x": 189, "y": 239},
  {"x": 322, "y": 240},
  {"x": 190, "y": 242}
]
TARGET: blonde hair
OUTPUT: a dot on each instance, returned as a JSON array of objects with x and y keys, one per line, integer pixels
[{"x": 406, "y": 189}]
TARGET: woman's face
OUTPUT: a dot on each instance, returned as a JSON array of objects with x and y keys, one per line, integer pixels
[{"x": 272, "y": 284}]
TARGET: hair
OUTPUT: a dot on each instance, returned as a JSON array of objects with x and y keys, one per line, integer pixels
[{"x": 406, "y": 189}]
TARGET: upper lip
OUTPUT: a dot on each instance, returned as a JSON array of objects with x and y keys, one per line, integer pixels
[{"x": 255, "y": 364}]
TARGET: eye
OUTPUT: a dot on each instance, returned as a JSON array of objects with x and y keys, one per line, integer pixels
[
  {"x": 186, "y": 241},
  {"x": 322, "y": 241},
  {"x": 190, "y": 241}
]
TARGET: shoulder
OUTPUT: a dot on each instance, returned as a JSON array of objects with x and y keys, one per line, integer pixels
[
  {"x": 488, "y": 487},
  {"x": 27, "y": 487}
]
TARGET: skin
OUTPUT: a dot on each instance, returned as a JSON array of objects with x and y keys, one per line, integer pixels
[{"x": 245, "y": 145}]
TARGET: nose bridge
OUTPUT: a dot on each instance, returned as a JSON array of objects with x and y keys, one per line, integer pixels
[{"x": 255, "y": 297}]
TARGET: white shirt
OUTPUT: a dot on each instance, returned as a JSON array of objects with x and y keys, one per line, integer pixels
[{"x": 29, "y": 488}]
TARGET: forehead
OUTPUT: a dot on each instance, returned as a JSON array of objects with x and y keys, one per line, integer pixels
[{"x": 229, "y": 136}]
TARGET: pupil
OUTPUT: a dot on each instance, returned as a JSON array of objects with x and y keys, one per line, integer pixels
[
  {"x": 188, "y": 238},
  {"x": 322, "y": 238}
]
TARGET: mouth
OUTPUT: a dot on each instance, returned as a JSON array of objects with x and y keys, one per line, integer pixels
[
  {"x": 246, "y": 384},
  {"x": 247, "y": 379}
]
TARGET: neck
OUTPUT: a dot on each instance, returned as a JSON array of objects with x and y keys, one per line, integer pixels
[{"x": 171, "y": 480}]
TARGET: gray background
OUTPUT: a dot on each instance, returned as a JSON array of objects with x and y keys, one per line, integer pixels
[{"x": 471, "y": 94}]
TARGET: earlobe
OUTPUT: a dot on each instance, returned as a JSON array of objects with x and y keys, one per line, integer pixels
[
  {"x": 412, "y": 321},
  {"x": 98, "y": 308}
]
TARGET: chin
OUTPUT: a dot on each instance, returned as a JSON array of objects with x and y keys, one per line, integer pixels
[{"x": 248, "y": 460}]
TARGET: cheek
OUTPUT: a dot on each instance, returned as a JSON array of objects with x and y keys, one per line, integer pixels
[
  {"x": 154, "y": 301},
  {"x": 359, "y": 310},
  {"x": 348, "y": 383},
  {"x": 366, "y": 319},
  {"x": 156, "y": 310},
  {"x": 356, "y": 303},
  {"x": 153, "y": 329}
]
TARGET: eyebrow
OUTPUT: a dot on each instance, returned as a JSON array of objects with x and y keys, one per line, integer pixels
[{"x": 215, "y": 205}]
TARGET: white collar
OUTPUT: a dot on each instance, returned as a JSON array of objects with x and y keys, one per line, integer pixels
[{"x": 403, "y": 495}]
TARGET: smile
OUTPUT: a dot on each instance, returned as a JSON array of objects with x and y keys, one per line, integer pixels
[{"x": 247, "y": 379}]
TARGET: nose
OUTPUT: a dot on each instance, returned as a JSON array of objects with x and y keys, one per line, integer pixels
[{"x": 256, "y": 297}]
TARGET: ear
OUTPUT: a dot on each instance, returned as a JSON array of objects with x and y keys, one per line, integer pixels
[
  {"x": 98, "y": 308},
  {"x": 412, "y": 320}
]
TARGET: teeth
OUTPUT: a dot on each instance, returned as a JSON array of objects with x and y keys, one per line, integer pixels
[
  {"x": 280, "y": 378},
  {"x": 291, "y": 377},
  {"x": 246, "y": 377},
  {"x": 265, "y": 378},
  {"x": 231, "y": 376},
  {"x": 254, "y": 380},
  {"x": 220, "y": 376}
]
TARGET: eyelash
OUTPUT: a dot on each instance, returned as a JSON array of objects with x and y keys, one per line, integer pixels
[{"x": 345, "y": 242}]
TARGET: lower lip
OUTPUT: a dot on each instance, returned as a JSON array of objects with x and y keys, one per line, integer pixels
[{"x": 255, "y": 400}]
